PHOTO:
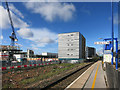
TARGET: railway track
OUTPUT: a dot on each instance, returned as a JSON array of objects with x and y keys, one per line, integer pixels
[{"x": 63, "y": 82}]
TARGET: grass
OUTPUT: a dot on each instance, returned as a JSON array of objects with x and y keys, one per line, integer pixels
[
  {"x": 46, "y": 72},
  {"x": 7, "y": 86},
  {"x": 53, "y": 72}
]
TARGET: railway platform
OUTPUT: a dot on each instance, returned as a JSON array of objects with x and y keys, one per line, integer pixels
[{"x": 92, "y": 78}]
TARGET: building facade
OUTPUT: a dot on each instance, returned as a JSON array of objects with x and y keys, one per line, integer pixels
[
  {"x": 50, "y": 55},
  {"x": 83, "y": 47},
  {"x": 30, "y": 53},
  {"x": 21, "y": 56},
  {"x": 90, "y": 52},
  {"x": 12, "y": 53},
  {"x": 7, "y": 52},
  {"x": 71, "y": 45}
]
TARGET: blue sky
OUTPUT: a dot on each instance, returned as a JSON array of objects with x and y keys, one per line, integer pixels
[{"x": 38, "y": 24}]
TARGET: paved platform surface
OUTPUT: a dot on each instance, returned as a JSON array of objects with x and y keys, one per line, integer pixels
[
  {"x": 93, "y": 77},
  {"x": 96, "y": 79}
]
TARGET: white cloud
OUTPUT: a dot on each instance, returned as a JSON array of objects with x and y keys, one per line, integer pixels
[
  {"x": 5, "y": 22},
  {"x": 52, "y": 11},
  {"x": 25, "y": 33},
  {"x": 40, "y": 37},
  {"x": 1, "y": 37}
]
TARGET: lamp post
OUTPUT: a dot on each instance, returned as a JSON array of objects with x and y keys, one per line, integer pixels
[
  {"x": 116, "y": 54},
  {"x": 112, "y": 33}
]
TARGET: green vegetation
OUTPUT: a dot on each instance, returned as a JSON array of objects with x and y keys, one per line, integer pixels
[
  {"x": 96, "y": 58},
  {"x": 33, "y": 75},
  {"x": 55, "y": 71}
]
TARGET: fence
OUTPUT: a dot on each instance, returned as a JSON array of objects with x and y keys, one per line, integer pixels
[
  {"x": 113, "y": 76},
  {"x": 28, "y": 62}
]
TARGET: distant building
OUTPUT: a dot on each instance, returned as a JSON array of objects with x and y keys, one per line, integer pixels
[
  {"x": 30, "y": 53},
  {"x": 12, "y": 53},
  {"x": 71, "y": 46},
  {"x": 4, "y": 55},
  {"x": 7, "y": 52},
  {"x": 21, "y": 56},
  {"x": 83, "y": 46},
  {"x": 50, "y": 55},
  {"x": 90, "y": 52}
]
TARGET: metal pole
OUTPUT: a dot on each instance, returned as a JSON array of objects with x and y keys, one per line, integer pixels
[
  {"x": 103, "y": 50},
  {"x": 116, "y": 54},
  {"x": 103, "y": 54},
  {"x": 112, "y": 33}
]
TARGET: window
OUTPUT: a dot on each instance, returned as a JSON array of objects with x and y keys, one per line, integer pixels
[
  {"x": 71, "y": 54},
  {"x": 71, "y": 49},
  {"x": 68, "y": 49},
  {"x": 71, "y": 34},
  {"x": 67, "y": 54},
  {"x": 71, "y": 44},
  {"x": 68, "y": 44}
]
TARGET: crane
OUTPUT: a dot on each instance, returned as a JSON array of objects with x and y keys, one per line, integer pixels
[{"x": 13, "y": 36}]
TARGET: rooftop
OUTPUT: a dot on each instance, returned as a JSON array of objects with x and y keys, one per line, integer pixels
[{"x": 9, "y": 48}]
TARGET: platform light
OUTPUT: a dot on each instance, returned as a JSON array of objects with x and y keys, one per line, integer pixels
[
  {"x": 100, "y": 38},
  {"x": 16, "y": 39}
]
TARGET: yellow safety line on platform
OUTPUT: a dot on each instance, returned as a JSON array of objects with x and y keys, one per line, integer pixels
[{"x": 95, "y": 78}]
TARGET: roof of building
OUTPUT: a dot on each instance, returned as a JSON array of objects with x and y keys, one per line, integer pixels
[
  {"x": 90, "y": 47},
  {"x": 69, "y": 32},
  {"x": 9, "y": 48}
]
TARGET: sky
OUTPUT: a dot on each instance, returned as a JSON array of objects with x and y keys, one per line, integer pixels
[{"x": 37, "y": 24}]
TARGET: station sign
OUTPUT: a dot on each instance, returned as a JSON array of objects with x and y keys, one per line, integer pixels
[{"x": 101, "y": 42}]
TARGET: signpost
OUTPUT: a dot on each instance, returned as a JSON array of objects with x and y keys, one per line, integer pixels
[
  {"x": 101, "y": 42},
  {"x": 108, "y": 45}
]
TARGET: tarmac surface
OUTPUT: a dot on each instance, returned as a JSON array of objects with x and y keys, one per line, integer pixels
[{"x": 92, "y": 78}]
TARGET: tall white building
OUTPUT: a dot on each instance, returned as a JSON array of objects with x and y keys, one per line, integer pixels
[{"x": 71, "y": 46}]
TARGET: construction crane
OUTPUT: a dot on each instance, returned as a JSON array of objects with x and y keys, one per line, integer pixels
[{"x": 13, "y": 36}]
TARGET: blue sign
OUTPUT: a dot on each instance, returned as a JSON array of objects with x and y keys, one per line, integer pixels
[{"x": 108, "y": 46}]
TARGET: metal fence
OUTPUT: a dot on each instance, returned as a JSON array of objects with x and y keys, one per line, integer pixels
[
  {"x": 9, "y": 64},
  {"x": 113, "y": 77}
]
